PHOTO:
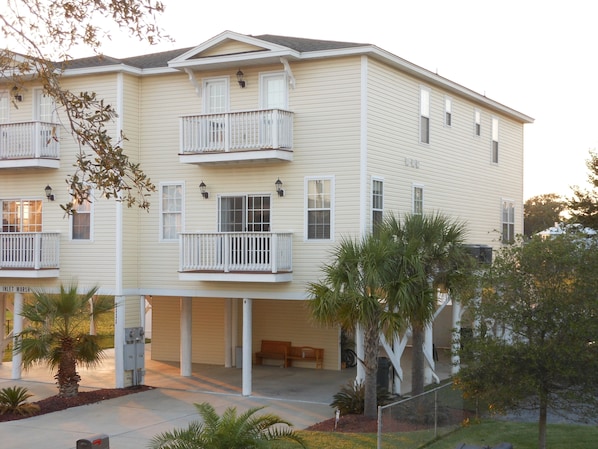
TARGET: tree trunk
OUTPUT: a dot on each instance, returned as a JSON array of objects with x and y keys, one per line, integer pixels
[
  {"x": 417, "y": 359},
  {"x": 67, "y": 377},
  {"x": 542, "y": 423},
  {"x": 370, "y": 343}
]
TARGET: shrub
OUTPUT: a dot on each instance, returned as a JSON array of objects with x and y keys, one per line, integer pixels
[
  {"x": 350, "y": 400},
  {"x": 14, "y": 400}
]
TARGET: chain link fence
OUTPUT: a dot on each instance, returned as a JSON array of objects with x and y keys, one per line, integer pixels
[{"x": 414, "y": 422}]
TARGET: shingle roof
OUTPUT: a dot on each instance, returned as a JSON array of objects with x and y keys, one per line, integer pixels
[{"x": 156, "y": 60}]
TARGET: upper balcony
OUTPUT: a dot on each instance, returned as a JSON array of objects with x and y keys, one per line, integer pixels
[
  {"x": 29, "y": 144},
  {"x": 236, "y": 256},
  {"x": 262, "y": 135},
  {"x": 29, "y": 254}
]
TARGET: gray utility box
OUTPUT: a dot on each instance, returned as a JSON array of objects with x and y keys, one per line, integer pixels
[
  {"x": 134, "y": 352},
  {"x": 99, "y": 441}
]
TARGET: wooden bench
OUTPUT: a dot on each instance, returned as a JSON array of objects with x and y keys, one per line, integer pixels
[
  {"x": 306, "y": 353},
  {"x": 273, "y": 349}
]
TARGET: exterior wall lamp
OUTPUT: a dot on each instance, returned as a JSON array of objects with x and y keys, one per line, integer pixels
[
  {"x": 278, "y": 185},
  {"x": 240, "y": 79},
  {"x": 49, "y": 194},
  {"x": 16, "y": 94},
  {"x": 204, "y": 192}
]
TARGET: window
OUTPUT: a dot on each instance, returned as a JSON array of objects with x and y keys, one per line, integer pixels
[
  {"x": 171, "y": 210},
  {"x": 45, "y": 108},
  {"x": 21, "y": 216},
  {"x": 424, "y": 115},
  {"x": 495, "y": 140},
  {"x": 418, "y": 200},
  {"x": 377, "y": 203},
  {"x": 81, "y": 221},
  {"x": 319, "y": 209},
  {"x": 448, "y": 112},
  {"x": 477, "y": 127},
  {"x": 508, "y": 221},
  {"x": 243, "y": 213},
  {"x": 273, "y": 91}
]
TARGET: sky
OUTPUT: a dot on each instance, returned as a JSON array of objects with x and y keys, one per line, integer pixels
[{"x": 539, "y": 57}]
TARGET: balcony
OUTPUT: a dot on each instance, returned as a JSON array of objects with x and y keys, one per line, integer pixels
[
  {"x": 29, "y": 254},
  {"x": 236, "y": 256},
  {"x": 29, "y": 144},
  {"x": 264, "y": 135}
]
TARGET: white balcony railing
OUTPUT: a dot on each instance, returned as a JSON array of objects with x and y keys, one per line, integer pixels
[
  {"x": 29, "y": 140},
  {"x": 29, "y": 250},
  {"x": 226, "y": 252},
  {"x": 237, "y": 131}
]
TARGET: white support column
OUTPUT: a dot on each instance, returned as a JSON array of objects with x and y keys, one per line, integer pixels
[
  {"x": 456, "y": 316},
  {"x": 16, "y": 329},
  {"x": 429, "y": 354},
  {"x": 186, "y": 323},
  {"x": 2, "y": 323},
  {"x": 247, "y": 350},
  {"x": 235, "y": 330},
  {"x": 142, "y": 311},
  {"x": 119, "y": 341},
  {"x": 228, "y": 346},
  {"x": 359, "y": 350}
]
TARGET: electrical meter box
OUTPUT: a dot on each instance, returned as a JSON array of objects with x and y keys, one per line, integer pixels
[
  {"x": 99, "y": 441},
  {"x": 134, "y": 353}
]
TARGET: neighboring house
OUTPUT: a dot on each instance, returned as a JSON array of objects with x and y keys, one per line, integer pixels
[{"x": 265, "y": 151}]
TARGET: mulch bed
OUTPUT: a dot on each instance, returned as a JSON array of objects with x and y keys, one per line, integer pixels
[{"x": 57, "y": 403}]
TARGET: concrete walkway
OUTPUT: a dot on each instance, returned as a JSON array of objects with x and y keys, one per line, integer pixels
[{"x": 301, "y": 396}]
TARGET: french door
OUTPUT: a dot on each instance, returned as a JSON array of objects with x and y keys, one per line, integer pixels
[{"x": 245, "y": 220}]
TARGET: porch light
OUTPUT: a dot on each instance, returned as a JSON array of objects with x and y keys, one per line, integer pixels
[
  {"x": 16, "y": 94},
  {"x": 49, "y": 194},
  {"x": 240, "y": 79},
  {"x": 204, "y": 192},
  {"x": 278, "y": 185}
]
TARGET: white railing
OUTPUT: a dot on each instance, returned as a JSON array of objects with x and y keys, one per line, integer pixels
[
  {"x": 237, "y": 131},
  {"x": 236, "y": 251},
  {"x": 29, "y": 250},
  {"x": 29, "y": 140}
]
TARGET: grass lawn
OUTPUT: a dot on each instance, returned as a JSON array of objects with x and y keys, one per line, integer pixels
[{"x": 488, "y": 432}]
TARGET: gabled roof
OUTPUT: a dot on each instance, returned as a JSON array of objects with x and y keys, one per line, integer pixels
[{"x": 234, "y": 50}]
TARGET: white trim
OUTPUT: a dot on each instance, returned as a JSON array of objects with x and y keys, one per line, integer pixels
[
  {"x": 161, "y": 238},
  {"x": 413, "y": 187},
  {"x": 306, "y": 181},
  {"x": 363, "y": 145}
]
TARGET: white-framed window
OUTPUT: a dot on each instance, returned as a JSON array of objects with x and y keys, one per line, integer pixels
[
  {"x": 82, "y": 221},
  {"x": 495, "y": 140},
  {"x": 424, "y": 115},
  {"x": 44, "y": 107},
  {"x": 244, "y": 213},
  {"x": 172, "y": 195},
  {"x": 477, "y": 123},
  {"x": 508, "y": 221},
  {"x": 417, "y": 207},
  {"x": 215, "y": 95},
  {"x": 448, "y": 112},
  {"x": 4, "y": 107},
  {"x": 21, "y": 215},
  {"x": 274, "y": 93},
  {"x": 319, "y": 210},
  {"x": 377, "y": 202}
]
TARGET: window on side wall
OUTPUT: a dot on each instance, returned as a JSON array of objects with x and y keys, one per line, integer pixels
[
  {"x": 418, "y": 200},
  {"x": 477, "y": 123},
  {"x": 81, "y": 221},
  {"x": 171, "y": 211},
  {"x": 448, "y": 112},
  {"x": 319, "y": 198},
  {"x": 495, "y": 140},
  {"x": 377, "y": 203},
  {"x": 508, "y": 221},
  {"x": 424, "y": 115}
]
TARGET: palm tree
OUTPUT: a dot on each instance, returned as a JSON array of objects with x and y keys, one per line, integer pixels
[
  {"x": 57, "y": 333},
  {"x": 434, "y": 244},
  {"x": 353, "y": 293},
  {"x": 229, "y": 431}
]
